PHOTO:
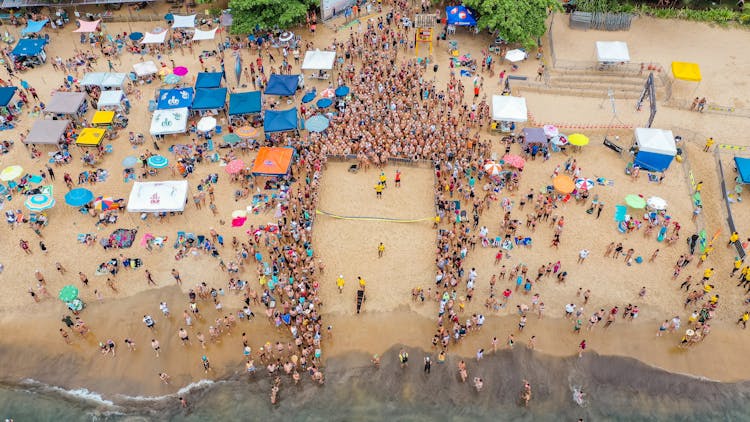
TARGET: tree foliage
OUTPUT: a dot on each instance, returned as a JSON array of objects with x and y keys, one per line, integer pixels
[
  {"x": 251, "y": 14},
  {"x": 521, "y": 21}
]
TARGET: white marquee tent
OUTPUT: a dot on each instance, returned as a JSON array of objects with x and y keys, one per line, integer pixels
[
  {"x": 612, "y": 52},
  {"x": 509, "y": 109},
  {"x": 145, "y": 68},
  {"x": 110, "y": 99},
  {"x": 319, "y": 60},
  {"x": 167, "y": 196},
  {"x": 170, "y": 121}
]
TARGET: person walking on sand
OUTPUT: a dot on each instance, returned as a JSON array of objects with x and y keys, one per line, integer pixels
[
  {"x": 340, "y": 283},
  {"x": 427, "y": 364},
  {"x": 206, "y": 363},
  {"x": 743, "y": 319},
  {"x": 381, "y": 250},
  {"x": 582, "y": 255},
  {"x": 581, "y": 348},
  {"x": 397, "y": 179},
  {"x": 149, "y": 278},
  {"x": 164, "y": 377},
  {"x": 709, "y": 143},
  {"x": 403, "y": 358},
  {"x": 156, "y": 346}
]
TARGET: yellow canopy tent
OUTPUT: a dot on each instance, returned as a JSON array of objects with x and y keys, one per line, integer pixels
[
  {"x": 686, "y": 71},
  {"x": 90, "y": 137},
  {"x": 103, "y": 118}
]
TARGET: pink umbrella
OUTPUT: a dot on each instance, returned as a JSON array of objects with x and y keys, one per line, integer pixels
[
  {"x": 180, "y": 71},
  {"x": 235, "y": 166},
  {"x": 514, "y": 160},
  {"x": 328, "y": 93}
]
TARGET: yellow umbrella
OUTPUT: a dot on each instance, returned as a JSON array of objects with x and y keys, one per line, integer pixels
[
  {"x": 578, "y": 139},
  {"x": 246, "y": 132},
  {"x": 10, "y": 173},
  {"x": 164, "y": 71}
]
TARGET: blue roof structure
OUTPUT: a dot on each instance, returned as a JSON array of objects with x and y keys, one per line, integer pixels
[
  {"x": 244, "y": 103},
  {"x": 175, "y": 98},
  {"x": 209, "y": 98},
  {"x": 6, "y": 94},
  {"x": 208, "y": 80},
  {"x": 743, "y": 168},
  {"x": 29, "y": 47},
  {"x": 280, "y": 121},
  {"x": 285, "y": 85}
]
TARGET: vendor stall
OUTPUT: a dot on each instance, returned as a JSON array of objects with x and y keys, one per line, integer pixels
[
  {"x": 509, "y": 109},
  {"x": 104, "y": 80},
  {"x": 111, "y": 100},
  {"x": 168, "y": 122},
  {"x": 273, "y": 161},
  {"x": 29, "y": 52},
  {"x": 102, "y": 118},
  {"x": 283, "y": 85},
  {"x": 175, "y": 98},
  {"x": 244, "y": 104},
  {"x": 90, "y": 137},
  {"x": 655, "y": 148},
  {"x": 280, "y": 121},
  {"x": 67, "y": 104},
  {"x": 47, "y": 132},
  {"x": 209, "y": 80},
  {"x": 155, "y": 197},
  {"x": 209, "y": 99},
  {"x": 320, "y": 61}
]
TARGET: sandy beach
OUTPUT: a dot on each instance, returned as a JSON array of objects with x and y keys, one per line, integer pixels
[{"x": 346, "y": 233}]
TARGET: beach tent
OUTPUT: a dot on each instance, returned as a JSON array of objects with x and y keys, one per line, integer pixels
[
  {"x": 209, "y": 98},
  {"x": 209, "y": 80},
  {"x": 273, "y": 161},
  {"x": 102, "y": 118},
  {"x": 110, "y": 99},
  {"x": 534, "y": 135},
  {"x": 33, "y": 27},
  {"x": 284, "y": 85},
  {"x": 199, "y": 35},
  {"x": 6, "y": 95},
  {"x": 152, "y": 38},
  {"x": 687, "y": 71},
  {"x": 319, "y": 60},
  {"x": 92, "y": 79},
  {"x": 65, "y": 102},
  {"x": 743, "y": 168},
  {"x": 280, "y": 121},
  {"x": 167, "y": 196},
  {"x": 168, "y": 122},
  {"x": 183, "y": 21},
  {"x": 145, "y": 68},
  {"x": 460, "y": 16},
  {"x": 90, "y": 137},
  {"x": 104, "y": 79},
  {"x": 612, "y": 52},
  {"x": 175, "y": 98},
  {"x": 656, "y": 148},
  {"x": 87, "y": 26},
  {"x": 29, "y": 47},
  {"x": 244, "y": 103},
  {"x": 509, "y": 109},
  {"x": 47, "y": 132}
]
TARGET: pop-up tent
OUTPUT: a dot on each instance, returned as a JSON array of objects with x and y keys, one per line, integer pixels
[
  {"x": 612, "y": 52},
  {"x": 67, "y": 103},
  {"x": 509, "y": 109},
  {"x": 175, "y": 98},
  {"x": 47, "y": 132},
  {"x": 209, "y": 99},
  {"x": 168, "y": 196},
  {"x": 460, "y": 16},
  {"x": 656, "y": 148},
  {"x": 687, "y": 71},
  {"x": 183, "y": 21},
  {"x": 244, "y": 103},
  {"x": 743, "y": 168},
  {"x": 90, "y": 137},
  {"x": 208, "y": 80},
  {"x": 284, "y": 85},
  {"x": 152, "y": 38},
  {"x": 168, "y": 122},
  {"x": 30, "y": 47},
  {"x": 110, "y": 100},
  {"x": 104, "y": 79},
  {"x": 199, "y": 35},
  {"x": 145, "y": 68},
  {"x": 534, "y": 135},
  {"x": 7, "y": 94},
  {"x": 319, "y": 60},
  {"x": 273, "y": 161},
  {"x": 280, "y": 121}
]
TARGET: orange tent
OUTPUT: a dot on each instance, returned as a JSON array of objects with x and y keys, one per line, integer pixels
[{"x": 273, "y": 161}]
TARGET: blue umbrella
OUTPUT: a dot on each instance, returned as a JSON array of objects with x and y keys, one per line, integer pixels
[
  {"x": 135, "y": 36},
  {"x": 324, "y": 102},
  {"x": 130, "y": 161},
  {"x": 308, "y": 97},
  {"x": 342, "y": 91},
  {"x": 238, "y": 67},
  {"x": 78, "y": 197},
  {"x": 316, "y": 123},
  {"x": 158, "y": 161}
]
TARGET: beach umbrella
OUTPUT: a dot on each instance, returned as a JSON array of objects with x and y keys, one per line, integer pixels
[
  {"x": 164, "y": 71},
  {"x": 231, "y": 138},
  {"x": 206, "y": 124},
  {"x": 515, "y": 55},
  {"x": 328, "y": 93},
  {"x": 10, "y": 173},
  {"x": 514, "y": 160},
  {"x": 246, "y": 132},
  {"x": 130, "y": 161},
  {"x": 135, "y": 36},
  {"x": 78, "y": 197},
  {"x": 286, "y": 36},
  {"x": 584, "y": 183},
  {"x": 656, "y": 203},
  {"x": 493, "y": 169},
  {"x": 238, "y": 67},
  {"x": 563, "y": 183},
  {"x": 234, "y": 166},
  {"x": 39, "y": 202},
  {"x": 308, "y": 97},
  {"x": 180, "y": 71},
  {"x": 342, "y": 91},
  {"x": 172, "y": 79},
  {"x": 551, "y": 130},
  {"x": 317, "y": 123},
  {"x": 68, "y": 293},
  {"x": 104, "y": 203},
  {"x": 158, "y": 161},
  {"x": 559, "y": 140},
  {"x": 324, "y": 102},
  {"x": 635, "y": 201},
  {"x": 578, "y": 139}
]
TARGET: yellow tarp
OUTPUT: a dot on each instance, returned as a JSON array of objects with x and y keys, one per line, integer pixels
[
  {"x": 90, "y": 137},
  {"x": 103, "y": 118},
  {"x": 686, "y": 71}
]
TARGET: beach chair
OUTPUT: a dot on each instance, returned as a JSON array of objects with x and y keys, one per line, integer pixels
[{"x": 354, "y": 168}]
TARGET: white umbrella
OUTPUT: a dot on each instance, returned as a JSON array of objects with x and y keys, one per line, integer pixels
[
  {"x": 551, "y": 130},
  {"x": 492, "y": 168},
  {"x": 286, "y": 36},
  {"x": 206, "y": 124},
  {"x": 584, "y": 184},
  {"x": 559, "y": 140},
  {"x": 656, "y": 203},
  {"x": 515, "y": 55}
]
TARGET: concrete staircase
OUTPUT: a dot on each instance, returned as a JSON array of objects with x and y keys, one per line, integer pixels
[{"x": 592, "y": 83}]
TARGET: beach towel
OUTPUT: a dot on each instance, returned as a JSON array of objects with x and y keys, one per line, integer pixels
[{"x": 465, "y": 73}]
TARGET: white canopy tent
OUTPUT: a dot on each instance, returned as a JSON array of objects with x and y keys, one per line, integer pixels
[
  {"x": 151, "y": 38},
  {"x": 319, "y": 60},
  {"x": 612, "y": 52},
  {"x": 145, "y": 68},
  {"x": 204, "y": 35},
  {"x": 110, "y": 99},
  {"x": 183, "y": 21},
  {"x": 658, "y": 141},
  {"x": 167, "y": 196},
  {"x": 104, "y": 79},
  {"x": 168, "y": 122},
  {"x": 509, "y": 109}
]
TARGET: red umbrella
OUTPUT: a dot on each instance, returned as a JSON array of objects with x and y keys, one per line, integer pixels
[
  {"x": 180, "y": 71},
  {"x": 235, "y": 166}
]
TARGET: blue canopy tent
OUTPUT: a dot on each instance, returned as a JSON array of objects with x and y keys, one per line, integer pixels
[
  {"x": 209, "y": 80},
  {"x": 210, "y": 99},
  {"x": 460, "y": 16},
  {"x": 743, "y": 168},
  {"x": 280, "y": 121},
  {"x": 27, "y": 47},
  {"x": 284, "y": 85},
  {"x": 656, "y": 148},
  {"x": 244, "y": 103},
  {"x": 32, "y": 27},
  {"x": 175, "y": 98},
  {"x": 6, "y": 95}
]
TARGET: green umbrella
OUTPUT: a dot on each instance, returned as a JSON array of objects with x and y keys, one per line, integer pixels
[
  {"x": 232, "y": 138},
  {"x": 68, "y": 293},
  {"x": 635, "y": 201}
]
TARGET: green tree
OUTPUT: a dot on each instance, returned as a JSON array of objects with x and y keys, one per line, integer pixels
[
  {"x": 521, "y": 21},
  {"x": 249, "y": 14}
]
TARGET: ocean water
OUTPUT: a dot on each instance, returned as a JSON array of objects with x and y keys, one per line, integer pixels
[{"x": 617, "y": 389}]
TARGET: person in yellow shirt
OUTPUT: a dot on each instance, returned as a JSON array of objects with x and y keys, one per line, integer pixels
[
  {"x": 733, "y": 238},
  {"x": 743, "y": 319},
  {"x": 708, "y": 273},
  {"x": 379, "y": 191},
  {"x": 436, "y": 221},
  {"x": 383, "y": 179},
  {"x": 362, "y": 283},
  {"x": 381, "y": 250},
  {"x": 340, "y": 283},
  {"x": 709, "y": 144},
  {"x": 737, "y": 265}
]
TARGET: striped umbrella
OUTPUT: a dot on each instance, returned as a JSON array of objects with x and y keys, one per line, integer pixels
[
  {"x": 246, "y": 132},
  {"x": 104, "y": 203},
  {"x": 158, "y": 161},
  {"x": 584, "y": 183},
  {"x": 492, "y": 168},
  {"x": 40, "y": 202}
]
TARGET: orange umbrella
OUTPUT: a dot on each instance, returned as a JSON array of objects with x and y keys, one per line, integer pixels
[
  {"x": 563, "y": 184},
  {"x": 246, "y": 132}
]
